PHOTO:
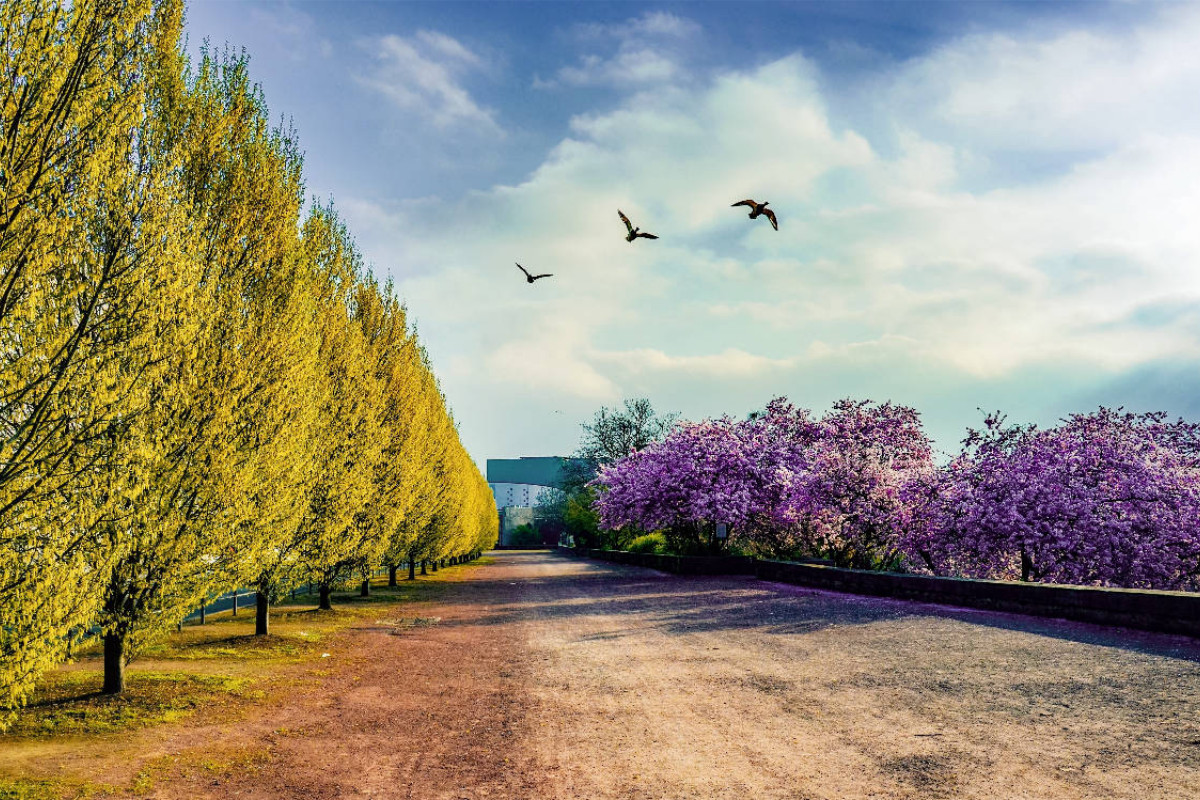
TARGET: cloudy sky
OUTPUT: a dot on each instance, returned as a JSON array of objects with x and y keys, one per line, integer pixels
[{"x": 981, "y": 206}]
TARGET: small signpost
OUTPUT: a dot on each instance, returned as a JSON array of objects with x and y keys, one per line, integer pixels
[{"x": 722, "y": 530}]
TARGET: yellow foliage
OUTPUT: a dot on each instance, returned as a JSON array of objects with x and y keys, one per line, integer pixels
[{"x": 197, "y": 392}]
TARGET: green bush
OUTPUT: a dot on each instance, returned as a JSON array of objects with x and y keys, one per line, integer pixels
[
  {"x": 648, "y": 543},
  {"x": 525, "y": 535}
]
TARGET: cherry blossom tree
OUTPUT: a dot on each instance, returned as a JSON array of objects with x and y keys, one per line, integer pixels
[
  {"x": 847, "y": 496},
  {"x": 788, "y": 484},
  {"x": 1106, "y": 498}
]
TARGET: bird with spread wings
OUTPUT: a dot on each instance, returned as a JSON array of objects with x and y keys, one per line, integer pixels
[
  {"x": 634, "y": 233},
  {"x": 531, "y": 278},
  {"x": 757, "y": 209}
]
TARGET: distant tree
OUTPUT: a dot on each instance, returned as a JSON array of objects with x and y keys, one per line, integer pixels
[
  {"x": 615, "y": 433},
  {"x": 612, "y": 434}
]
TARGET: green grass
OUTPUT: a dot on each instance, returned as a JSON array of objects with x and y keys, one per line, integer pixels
[
  {"x": 22, "y": 789},
  {"x": 238, "y": 668},
  {"x": 70, "y": 703}
]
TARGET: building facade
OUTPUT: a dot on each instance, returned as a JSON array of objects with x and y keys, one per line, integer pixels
[{"x": 519, "y": 485}]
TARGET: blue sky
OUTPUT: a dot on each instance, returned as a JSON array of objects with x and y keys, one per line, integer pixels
[{"x": 981, "y": 205}]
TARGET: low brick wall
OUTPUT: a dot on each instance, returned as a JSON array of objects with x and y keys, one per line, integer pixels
[
  {"x": 1166, "y": 612},
  {"x": 680, "y": 565}
]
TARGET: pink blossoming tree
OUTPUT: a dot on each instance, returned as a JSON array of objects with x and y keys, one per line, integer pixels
[{"x": 1106, "y": 498}]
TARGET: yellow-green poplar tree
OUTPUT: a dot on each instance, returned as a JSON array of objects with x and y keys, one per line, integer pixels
[
  {"x": 203, "y": 450},
  {"x": 429, "y": 486},
  {"x": 417, "y": 457},
  {"x": 384, "y": 323},
  {"x": 347, "y": 441},
  {"x": 245, "y": 184},
  {"x": 72, "y": 88}
]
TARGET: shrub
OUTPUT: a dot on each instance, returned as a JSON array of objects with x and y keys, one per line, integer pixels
[{"x": 649, "y": 543}]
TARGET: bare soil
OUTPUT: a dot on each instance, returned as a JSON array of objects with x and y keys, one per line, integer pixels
[{"x": 544, "y": 676}]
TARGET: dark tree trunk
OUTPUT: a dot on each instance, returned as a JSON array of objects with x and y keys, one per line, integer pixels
[
  {"x": 365, "y": 591},
  {"x": 435, "y": 565},
  {"x": 114, "y": 663},
  {"x": 202, "y": 613},
  {"x": 326, "y": 604},
  {"x": 1026, "y": 565},
  {"x": 392, "y": 568},
  {"x": 423, "y": 566},
  {"x": 234, "y": 603},
  {"x": 262, "y": 610},
  {"x": 412, "y": 569}
]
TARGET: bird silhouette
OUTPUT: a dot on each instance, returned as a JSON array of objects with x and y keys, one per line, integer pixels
[
  {"x": 633, "y": 232},
  {"x": 531, "y": 278},
  {"x": 759, "y": 209}
]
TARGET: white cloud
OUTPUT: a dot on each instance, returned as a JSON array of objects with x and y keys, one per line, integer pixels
[
  {"x": 729, "y": 363},
  {"x": 890, "y": 268},
  {"x": 1061, "y": 90},
  {"x": 451, "y": 48},
  {"x": 424, "y": 74},
  {"x": 651, "y": 49}
]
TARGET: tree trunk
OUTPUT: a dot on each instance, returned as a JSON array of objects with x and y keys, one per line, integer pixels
[
  {"x": 435, "y": 565},
  {"x": 1026, "y": 565},
  {"x": 412, "y": 569},
  {"x": 234, "y": 602},
  {"x": 325, "y": 604},
  {"x": 392, "y": 568},
  {"x": 423, "y": 564},
  {"x": 114, "y": 663},
  {"x": 262, "y": 622},
  {"x": 202, "y": 613},
  {"x": 365, "y": 591}
]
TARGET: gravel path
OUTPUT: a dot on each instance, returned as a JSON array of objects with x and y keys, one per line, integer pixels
[
  {"x": 545, "y": 676},
  {"x": 656, "y": 686}
]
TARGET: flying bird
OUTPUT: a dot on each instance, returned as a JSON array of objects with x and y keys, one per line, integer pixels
[
  {"x": 633, "y": 232},
  {"x": 531, "y": 278},
  {"x": 759, "y": 209}
]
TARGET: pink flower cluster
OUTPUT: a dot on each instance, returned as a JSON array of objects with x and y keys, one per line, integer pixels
[
  {"x": 785, "y": 482},
  {"x": 1106, "y": 498}
]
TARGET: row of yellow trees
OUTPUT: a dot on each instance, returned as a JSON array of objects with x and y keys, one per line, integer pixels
[{"x": 201, "y": 386}]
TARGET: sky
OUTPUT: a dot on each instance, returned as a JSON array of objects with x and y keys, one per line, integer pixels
[{"x": 981, "y": 206}]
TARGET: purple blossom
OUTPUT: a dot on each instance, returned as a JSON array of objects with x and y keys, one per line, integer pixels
[
  {"x": 1106, "y": 498},
  {"x": 787, "y": 484}
]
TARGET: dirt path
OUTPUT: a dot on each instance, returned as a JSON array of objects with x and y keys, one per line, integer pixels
[
  {"x": 549, "y": 677},
  {"x": 656, "y": 686}
]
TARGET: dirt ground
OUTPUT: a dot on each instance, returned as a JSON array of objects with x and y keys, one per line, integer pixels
[{"x": 544, "y": 676}]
